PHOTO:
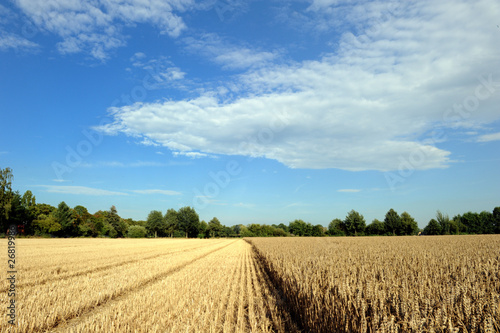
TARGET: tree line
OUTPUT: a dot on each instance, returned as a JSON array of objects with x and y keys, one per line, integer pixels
[{"x": 41, "y": 219}]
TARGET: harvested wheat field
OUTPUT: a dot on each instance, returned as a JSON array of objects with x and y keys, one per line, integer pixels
[{"x": 381, "y": 284}]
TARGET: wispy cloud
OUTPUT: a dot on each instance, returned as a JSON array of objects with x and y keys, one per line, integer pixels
[
  {"x": 155, "y": 191},
  {"x": 348, "y": 190},
  {"x": 137, "y": 164},
  {"x": 244, "y": 205},
  {"x": 489, "y": 137},
  {"x": 79, "y": 190},
  {"x": 192, "y": 154},
  {"x": 95, "y": 27},
  {"x": 60, "y": 180},
  {"x": 227, "y": 55},
  {"x": 16, "y": 42}
]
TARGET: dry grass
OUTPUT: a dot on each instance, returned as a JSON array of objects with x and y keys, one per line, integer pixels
[
  {"x": 388, "y": 284},
  {"x": 142, "y": 286},
  {"x": 384, "y": 284}
]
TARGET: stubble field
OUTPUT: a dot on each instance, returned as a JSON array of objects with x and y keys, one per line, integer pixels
[{"x": 381, "y": 284}]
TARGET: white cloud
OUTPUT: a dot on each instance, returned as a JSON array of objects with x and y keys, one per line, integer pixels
[
  {"x": 13, "y": 41},
  {"x": 60, "y": 180},
  {"x": 227, "y": 55},
  {"x": 94, "y": 26},
  {"x": 348, "y": 190},
  {"x": 79, "y": 190},
  {"x": 191, "y": 154},
  {"x": 244, "y": 205},
  {"x": 369, "y": 106},
  {"x": 155, "y": 191},
  {"x": 489, "y": 137}
]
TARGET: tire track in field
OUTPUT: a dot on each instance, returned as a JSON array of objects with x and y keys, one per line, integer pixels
[
  {"x": 285, "y": 313},
  {"x": 97, "y": 269},
  {"x": 232, "y": 305},
  {"x": 73, "y": 318}
]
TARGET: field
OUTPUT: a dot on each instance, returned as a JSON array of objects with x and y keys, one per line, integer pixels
[{"x": 381, "y": 284}]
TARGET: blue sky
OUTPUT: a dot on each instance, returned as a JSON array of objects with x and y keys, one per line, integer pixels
[{"x": 253, "y": 111}]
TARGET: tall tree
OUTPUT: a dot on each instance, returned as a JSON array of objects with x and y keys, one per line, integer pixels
[
  {"x": 354, "y": 223},
  {"x": 171, "y": 222},
  {"x": 203, "y": 233},
  {"x": 155, "y": 223},
  {"x": 298, "y": 228},
  {"x": 432, "y": 228},
  {"x": 496, "y": 219},
  {"x": 444, "y": 222},
  {"x": 116, "y": 221},
  {"x": 64, "y": 216},
  {"x": 392, "y": 222},
  {"x": 318, "y": 231},
  {"x": 215, "y": 228},
  {"x": 487, "y": 222},
  {"x": 6, "y": 196},
  {"x": 336, "y": 228},
  {"x": 375, "y": 228},
  {"x": 189, "y": 221},
  {"x": 408, "y": 224}
]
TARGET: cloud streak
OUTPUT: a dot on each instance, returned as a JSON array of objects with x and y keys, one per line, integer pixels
[
  {"x": 80, "y": 190},
  {"x": 156, "y": 191}
]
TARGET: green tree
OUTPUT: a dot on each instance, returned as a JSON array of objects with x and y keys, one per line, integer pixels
[
  {"x": 408, "y": 224},
  {"x": 318, "y": 231},
  {"x": 336, "y": 228},
  {"x": 215, "y": 228},
  {"x": 46, "y": 224},
  {"x": 392, "y": 222},
  {"x": 28, "y": 202},
  {"x": 155, "y": 223},
  {"x": 282, "y": 226},
  {"x": 64, "y": 216},
  {"x": 171, "y": 222},
  {"x": 354, "y": 223},
  {"x": 255, "y": 229},
  {"x": 117, "y": 222},
  {"x": 444, "y": 223},
  {"x": 203, "y": 233},
  {"x": 189, "y": 221},
  {"x": 85, "y": 222},
  {"x": 298, "y": 228},
  {"x": 433, "y": 228},
  {"x": 245, "y": 232},
  {"x": 375, "y": 228},
  {"x": 472, "y": 223},
  {"x": 496, "y": 219},
  {"x": 6, "y": 196},
  {"x": 136, "y": 231}
]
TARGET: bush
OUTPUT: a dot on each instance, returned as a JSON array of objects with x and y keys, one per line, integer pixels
[{"x": 136, "y": 231}]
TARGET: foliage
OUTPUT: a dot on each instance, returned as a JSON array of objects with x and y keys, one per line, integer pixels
[
  {"x": 433, "y": 228},
  {"x": 408, "y": 225},
  {"x": 171, "y": 222},
  {"x": 336, "y": 228},
  {"x": 155, "y": 224},
  {"x": 188, "y": 221},
  {"x": 5, "y": 196},
  {"x": 376, "y": 228},
  {"x": 392, "y": 222},
  {"x": 136, "y": 231},
  {"x": 214, "y": 228},
  {"x": 354, "y": 223}
]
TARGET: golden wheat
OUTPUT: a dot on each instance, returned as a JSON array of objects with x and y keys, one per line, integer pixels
[
  {"x": 382, "y": 284},
  {"x": 388, "y": 284}
]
